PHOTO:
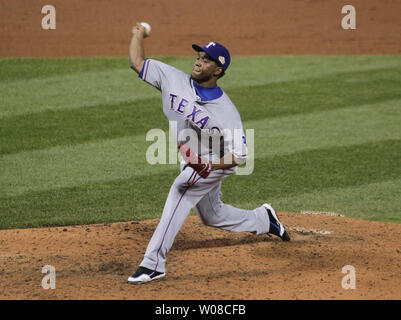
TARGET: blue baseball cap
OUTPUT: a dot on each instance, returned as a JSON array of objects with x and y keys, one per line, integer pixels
[{"x": 217, "y": 52}]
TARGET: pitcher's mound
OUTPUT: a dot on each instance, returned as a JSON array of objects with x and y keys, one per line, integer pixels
[{"x": 94, "y": 261}]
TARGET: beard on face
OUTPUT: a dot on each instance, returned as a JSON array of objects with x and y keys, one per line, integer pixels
[{"x": 201, "y": 77}]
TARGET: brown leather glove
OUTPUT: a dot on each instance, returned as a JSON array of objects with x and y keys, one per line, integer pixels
[{"x": 201, "y": 165}]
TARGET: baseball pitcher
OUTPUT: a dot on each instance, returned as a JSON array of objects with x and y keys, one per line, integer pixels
[{"x": 203, "y": 114}]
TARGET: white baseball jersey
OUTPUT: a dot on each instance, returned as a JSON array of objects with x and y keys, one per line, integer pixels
[{"x": 208, "y": 111}]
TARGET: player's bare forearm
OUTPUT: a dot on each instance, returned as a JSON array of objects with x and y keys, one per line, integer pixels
[
  {"x": 226, "y": 162},
  {"x": 137, "y": 48}
]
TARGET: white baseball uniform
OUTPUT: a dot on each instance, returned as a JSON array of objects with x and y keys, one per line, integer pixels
[{"x": 209, "y": 112}]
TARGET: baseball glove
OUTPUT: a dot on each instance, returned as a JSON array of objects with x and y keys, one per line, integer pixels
[{"x": 200, "y": 164}]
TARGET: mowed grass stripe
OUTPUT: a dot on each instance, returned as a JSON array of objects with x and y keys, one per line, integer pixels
[
  {"x": 324, "y": 93},
  {"x": 73, "y": 87},
  {"x": 374, "y": 201},
  {"x": 62, "y": 85},
  {"x": 261, "y": 70},
  {"x": 125, "y": 157},
  {"x": 16, "y": 69},
  {"x": 69, "y": 166},
  {"x": 338, "y": 127},
  {"x": 249, "y": 68},
  {"x": 73, "y": 126},
  {"x": 315, "y": 170},
  {"x": 275, "y": 177},
  {"x": 73, "y": 91},
  {"x": 141, "y": 197},
  {"x": 105, "y": 121}
]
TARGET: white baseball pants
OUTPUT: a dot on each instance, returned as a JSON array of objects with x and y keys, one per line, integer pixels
[{"x": 205, "y": 197}]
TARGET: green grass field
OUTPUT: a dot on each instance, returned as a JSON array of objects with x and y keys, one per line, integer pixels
[{"x": 72, "y": 138}]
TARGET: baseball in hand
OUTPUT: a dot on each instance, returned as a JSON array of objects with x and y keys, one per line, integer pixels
[{"x": 147, "y": 27}]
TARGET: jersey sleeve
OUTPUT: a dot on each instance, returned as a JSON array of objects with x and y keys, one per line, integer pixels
[
  {"x": 237, "y": 144},
  {"x": 239, "y": 148},
  {"x": 159, "y": 74}
]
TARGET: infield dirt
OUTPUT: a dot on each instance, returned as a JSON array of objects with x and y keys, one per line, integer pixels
[
  {"x": 94, "y": 262},
  {"x": 103, "y": 28}
]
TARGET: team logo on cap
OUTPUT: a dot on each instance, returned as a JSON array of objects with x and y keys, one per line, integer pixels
[{"x": 222, "y": 60}]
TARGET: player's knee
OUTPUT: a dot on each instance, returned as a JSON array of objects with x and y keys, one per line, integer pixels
[
  {"x": 181, "y": 188},
  {"x": 180, "y": 184},
  {"x": 210, "y": 215}
]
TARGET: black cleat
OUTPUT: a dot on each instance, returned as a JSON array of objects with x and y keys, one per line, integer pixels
[
  {"x": 143, "y": 275},
  {"x": 276, "y": 227}
]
